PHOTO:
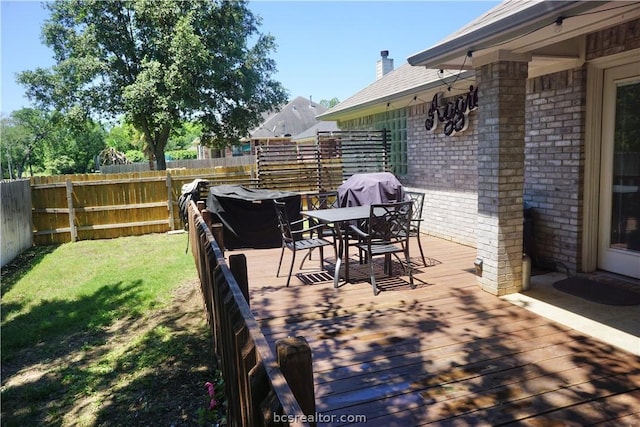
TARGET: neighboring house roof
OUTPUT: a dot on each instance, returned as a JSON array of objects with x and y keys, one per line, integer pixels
[
  {"x": 400, "y": 86},
  {"x": 295, "y": 117},
  {"x": 312, "y": 131}
]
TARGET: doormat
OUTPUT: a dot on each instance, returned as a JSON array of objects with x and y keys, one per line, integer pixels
[{"x": 597, "y": 291}]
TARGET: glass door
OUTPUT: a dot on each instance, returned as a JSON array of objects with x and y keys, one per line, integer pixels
[{"x": 619, "y": 237}]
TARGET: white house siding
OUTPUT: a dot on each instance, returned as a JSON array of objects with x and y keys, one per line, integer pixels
[{"x": 445, "y": 169}]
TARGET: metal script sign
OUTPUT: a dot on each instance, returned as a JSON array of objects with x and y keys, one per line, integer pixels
[{"x": 453, "y": 114}]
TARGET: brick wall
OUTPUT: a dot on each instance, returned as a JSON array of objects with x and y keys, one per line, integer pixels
[
  {"x": 445, "y": 169},
  {"x": 613, "y": 40},
  {"x": 554, "y": 165},
  {"x": 501, "y": 129}
]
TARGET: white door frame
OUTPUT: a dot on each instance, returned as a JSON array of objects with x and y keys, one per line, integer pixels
[
  {"x": 620, "y": 261},
  {"x": 593, "y": 150}
]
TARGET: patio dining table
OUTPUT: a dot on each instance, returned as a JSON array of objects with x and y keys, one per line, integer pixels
[{"x": 340, "y": 218}]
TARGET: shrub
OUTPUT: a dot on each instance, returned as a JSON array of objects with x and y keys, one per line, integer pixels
[
  {"x": 181, "y": 154},
  {"x": 60, "y": 165},
  {"x": 135, "y": 156}
]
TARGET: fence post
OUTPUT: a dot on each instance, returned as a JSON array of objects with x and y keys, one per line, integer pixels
[
  {"x": 217, "y": 230},
  {"x": 72, "y": 212},
  {"x": 238, "y": 267},
  {"x": 319, "y": 183},
  {"x": 170, "y": 202},
  {"x": 294, "y": 358},
  {"x": 207, "y": 217}
]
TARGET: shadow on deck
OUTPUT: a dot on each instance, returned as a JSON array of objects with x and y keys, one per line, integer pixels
[{"x": 444, "y": 353}]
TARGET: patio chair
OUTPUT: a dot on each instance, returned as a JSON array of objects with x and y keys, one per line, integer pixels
[
  {"x": 418, "y": 201},
  {"x": 329, "y": 200},
  {"x": 386, "y": 233},
  {"x": 321, "y": 200},
  {"x": 296, "y": 238}
]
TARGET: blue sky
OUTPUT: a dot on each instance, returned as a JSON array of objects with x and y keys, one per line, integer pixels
[{"x": 326, "y": 49}]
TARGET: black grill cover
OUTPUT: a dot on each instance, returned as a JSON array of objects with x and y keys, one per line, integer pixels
[{"x": 248, "y": 215}]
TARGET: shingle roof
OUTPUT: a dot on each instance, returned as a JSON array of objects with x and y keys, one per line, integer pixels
[
  {"x": 404, "y": 81},
  {"x": 501, "y": 11},
  {"x": 511, "y": 20},
  {"x": 311, "y": 132},
  {"x": 295, "y": 117}
]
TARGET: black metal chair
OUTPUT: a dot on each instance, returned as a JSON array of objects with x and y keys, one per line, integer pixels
[
  {"x": 386, "y": 233},
  {"x": 296, "y": 238},
  {"x": 329, "y": 200},
  {"x": 418, "y": 201},
  {"x": 321, "y": 200}
]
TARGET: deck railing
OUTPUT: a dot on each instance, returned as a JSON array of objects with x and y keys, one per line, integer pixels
[{"x": 255, "y": 381}]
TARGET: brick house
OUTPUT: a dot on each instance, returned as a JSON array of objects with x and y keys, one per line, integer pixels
[{"x": 557, "y": 87}]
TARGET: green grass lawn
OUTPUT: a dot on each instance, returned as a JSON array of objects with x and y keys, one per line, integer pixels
[{"x": 104, "y": 332}]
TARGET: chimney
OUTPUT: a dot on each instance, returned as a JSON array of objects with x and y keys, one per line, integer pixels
[{"x": 384, "y": 64}]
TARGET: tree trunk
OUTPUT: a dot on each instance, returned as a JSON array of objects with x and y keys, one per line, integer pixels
[
  {"x": 158, "y": 153},
  {"x": 158, "y": 148},
  {"x": 161, "y": 163}
]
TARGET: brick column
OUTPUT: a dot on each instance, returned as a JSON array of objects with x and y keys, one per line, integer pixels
[{"x": 501, "y": 119}]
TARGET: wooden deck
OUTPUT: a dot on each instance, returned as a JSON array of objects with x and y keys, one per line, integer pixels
[{"x": 444, "y": 353}]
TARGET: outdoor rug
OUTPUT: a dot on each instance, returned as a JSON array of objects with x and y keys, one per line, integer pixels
[{"x": 599, "y": 291}]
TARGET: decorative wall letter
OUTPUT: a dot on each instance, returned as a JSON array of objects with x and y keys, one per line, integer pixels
[{"x": 454, "y": 114}]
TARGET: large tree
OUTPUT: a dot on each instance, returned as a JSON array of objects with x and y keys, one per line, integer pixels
[
  {"x": 23, "y": 142},
  {"x": 159, "y": 63},
  {"x": 45, "y": 141},
  {"x": 329, "y": 103}
]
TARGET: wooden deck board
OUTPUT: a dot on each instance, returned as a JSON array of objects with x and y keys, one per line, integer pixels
[{"x": 444, "y": 353}]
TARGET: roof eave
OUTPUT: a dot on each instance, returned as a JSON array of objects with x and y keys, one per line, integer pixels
[
  {"x": 355, "y": 110},
  {"x": 498, "y": 32},
  {"x": 380, "y": 104}
]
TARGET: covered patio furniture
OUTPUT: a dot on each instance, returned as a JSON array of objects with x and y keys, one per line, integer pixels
[
  {"x": 248, "y": 215},
  {"x": 370, "y": 188}
]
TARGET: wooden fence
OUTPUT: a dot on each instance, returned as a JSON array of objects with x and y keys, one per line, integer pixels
[
  {"x": 256, "y": 384},
  {"x": 16, "y": 218},
  {"x": 98, "y": 206},
  {"x": 325, "y": 164},
  {"x": 82, "y": 207},
  {"x": 176, "y": 164}
]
